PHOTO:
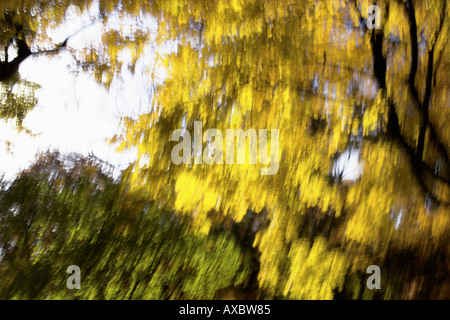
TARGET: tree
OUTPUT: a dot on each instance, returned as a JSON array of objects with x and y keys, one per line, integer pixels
[
  {"x": 66, "y": 210},
  {"x": 317, "y": 73}
]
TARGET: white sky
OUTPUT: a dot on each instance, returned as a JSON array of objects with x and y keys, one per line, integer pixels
[
  {"x": 349, "y": 164},
  {"x": 75, "y": 113}
]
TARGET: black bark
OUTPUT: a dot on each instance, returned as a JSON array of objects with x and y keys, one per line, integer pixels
[{"x": 9, "y": 69}]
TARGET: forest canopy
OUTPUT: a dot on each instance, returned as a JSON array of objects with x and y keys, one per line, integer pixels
[{"x": 312, "y": 70}]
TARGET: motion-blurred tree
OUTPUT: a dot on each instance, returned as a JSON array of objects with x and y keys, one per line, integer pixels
[
  {"x": 316, "y": 72},
  {"x": 313, "y": 70},
  {"x": 66, "y": 210}
]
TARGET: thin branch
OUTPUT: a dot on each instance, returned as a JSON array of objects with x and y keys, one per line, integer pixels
[{"x": 414, "y": 47}]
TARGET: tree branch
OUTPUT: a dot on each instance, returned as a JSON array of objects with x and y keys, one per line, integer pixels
[
  {"x": 414, "y": 47},
  {"x": 424, "y": 105},
  {"x": 394, "y": 130},
  {"x": 8, "y": 69}
]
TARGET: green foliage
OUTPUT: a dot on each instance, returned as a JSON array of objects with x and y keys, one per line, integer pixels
[
  {"x": 67, "y": 211},
  {"x": 17, "y": 98}
]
